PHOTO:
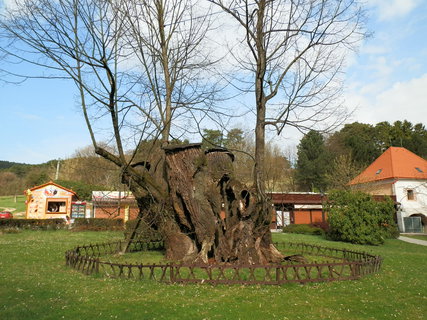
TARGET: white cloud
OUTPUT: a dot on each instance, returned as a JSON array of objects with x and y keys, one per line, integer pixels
[
  {"x": 402, "y": 100},
  {"x": 390, "y": 9}
]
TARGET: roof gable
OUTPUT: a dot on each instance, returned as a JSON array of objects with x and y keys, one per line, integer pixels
[
  {"x": 51, "y": 183},
  {"x": 394, "y": 163}
]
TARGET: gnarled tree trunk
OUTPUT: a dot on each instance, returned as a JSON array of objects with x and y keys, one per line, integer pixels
[{"x": 212, "y": 217}]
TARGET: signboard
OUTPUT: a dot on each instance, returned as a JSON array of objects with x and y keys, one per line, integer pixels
[{"x": 78, "y": 210}]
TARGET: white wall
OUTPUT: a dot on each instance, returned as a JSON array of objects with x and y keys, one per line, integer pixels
[{"x": 419, "y": 204}]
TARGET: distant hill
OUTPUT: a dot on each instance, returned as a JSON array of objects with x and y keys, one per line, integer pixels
[{"x": 8, "y": 164}]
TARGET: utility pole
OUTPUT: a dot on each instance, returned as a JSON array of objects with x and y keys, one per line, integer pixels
[{"x": 57, "y": 169}]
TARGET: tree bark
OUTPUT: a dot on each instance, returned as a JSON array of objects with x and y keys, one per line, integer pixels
[{"x": 215, "y": 217}]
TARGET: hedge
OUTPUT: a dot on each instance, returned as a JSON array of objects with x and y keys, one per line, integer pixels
[
  {"x": 303, "y": 229},
  {"x": 33, "y": 224},
  {"x": 97, "y": 224}
]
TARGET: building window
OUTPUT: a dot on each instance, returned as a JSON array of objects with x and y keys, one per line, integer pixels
[
  {"x": 410, "y": 194},
  {"x": 56, "y": 206}
]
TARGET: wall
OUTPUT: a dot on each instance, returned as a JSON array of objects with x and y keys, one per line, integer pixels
[
  {"x": 416, "y": 206},
  {"x": 376, "y": 188},
  {"x": 308, "y": 216},
  {"x": 112, "y": 212},
  {"x": 38, "y": 203}
]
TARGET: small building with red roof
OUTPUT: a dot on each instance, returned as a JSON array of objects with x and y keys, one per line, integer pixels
[
  {"x": 49, "y": 200},
  {"x": 114, "y": 205},
  {"x": 401, "y": 173},
  {"x": 297, "y": 208}
]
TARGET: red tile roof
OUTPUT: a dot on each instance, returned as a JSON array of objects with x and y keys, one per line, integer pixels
[{"x": 394, "y": 163}]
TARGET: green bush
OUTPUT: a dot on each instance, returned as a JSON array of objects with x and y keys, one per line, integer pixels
[
  {"x": 33, "y": 224},
  {"x": 97, "y": 224},
  {"x": 357, "y": 218},
  {"x": 143, "y": 233},
  {"x": 303, "y": 229}
]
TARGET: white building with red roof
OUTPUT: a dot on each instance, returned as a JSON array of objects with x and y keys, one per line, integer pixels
[{"x": 399, "y": 172}]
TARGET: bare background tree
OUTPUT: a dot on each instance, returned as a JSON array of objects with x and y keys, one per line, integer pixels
[
  {"x": 293, "y": 53},
  {"x": 138, "y": 67},
  {"x": 141, "y": 73}
]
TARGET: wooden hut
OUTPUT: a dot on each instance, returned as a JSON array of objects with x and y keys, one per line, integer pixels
[{"x": 49, "y": 200}]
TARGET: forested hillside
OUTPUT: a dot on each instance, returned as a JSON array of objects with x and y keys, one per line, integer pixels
[
  {"x": 7, "y": 164},
  {"x": 83, "y": 172}
]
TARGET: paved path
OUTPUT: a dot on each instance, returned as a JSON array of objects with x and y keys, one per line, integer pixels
[{"x": 412, "y": 240}]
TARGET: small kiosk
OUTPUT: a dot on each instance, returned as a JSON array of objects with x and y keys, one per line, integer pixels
[{"x": 49, "y": 200}]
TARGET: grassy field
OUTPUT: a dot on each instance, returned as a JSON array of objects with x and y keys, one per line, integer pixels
[
  {"x": 35, "y": 284},
  {"x": 9, "y": 202},
  {"x": 418, "y": 236}
]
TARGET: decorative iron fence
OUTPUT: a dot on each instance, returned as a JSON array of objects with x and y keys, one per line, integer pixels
[{"x": 346, "y": 265}]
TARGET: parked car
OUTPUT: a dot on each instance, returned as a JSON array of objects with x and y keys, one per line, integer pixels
[{"x": 6, "y": 215}]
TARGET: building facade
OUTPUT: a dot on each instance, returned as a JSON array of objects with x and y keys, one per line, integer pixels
[
  {"x": 114, "y": 205},
  {"x": 48, "y": 201},
  {"x": 401, "y": 174},
  {"x": 297, "y": 208}
]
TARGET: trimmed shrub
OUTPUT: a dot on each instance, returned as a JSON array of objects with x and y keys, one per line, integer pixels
[
  {"x": 97, "y": 224},
  {"x": 303, "y": 229},
  {"x": 33, "y": 224},
  {"x": 143, "y": 233},
  {"x": 322, "y": 225},
  {"x": 357, "y": 218}
]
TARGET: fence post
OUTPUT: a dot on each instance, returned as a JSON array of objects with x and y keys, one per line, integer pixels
[
  {"x": 171, "y": 275},
  {"x": 278, "y": 275}
]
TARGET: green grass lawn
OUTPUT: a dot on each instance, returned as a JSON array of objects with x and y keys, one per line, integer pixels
[
  {"x": 418, "y": 236},
  {"x": 9, "y": 202},
  {"x": 35, "y": 284}
]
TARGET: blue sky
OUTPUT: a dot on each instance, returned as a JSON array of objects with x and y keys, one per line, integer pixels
[{"x": 385, "y": 81}]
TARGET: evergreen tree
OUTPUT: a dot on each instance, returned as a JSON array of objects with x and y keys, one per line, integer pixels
[
  {"x": 312, "y": 163},
  {"x": 362, "y": 141},
  {"x": 212, "y": 138},
  {"x": 403, "y": 134}
]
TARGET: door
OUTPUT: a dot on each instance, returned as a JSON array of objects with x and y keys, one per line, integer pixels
[{"x": 413, "y": 225}]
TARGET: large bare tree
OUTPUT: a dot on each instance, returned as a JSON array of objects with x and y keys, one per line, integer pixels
[
  {"x": 292, "y": 55},
  {"x": 140, "y": 70}
]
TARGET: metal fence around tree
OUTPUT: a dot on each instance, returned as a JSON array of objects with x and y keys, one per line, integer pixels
[{"x": 336, "y": 264}]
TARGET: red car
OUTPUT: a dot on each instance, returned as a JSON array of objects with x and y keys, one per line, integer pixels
[{"x": 5, "y": 215}]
